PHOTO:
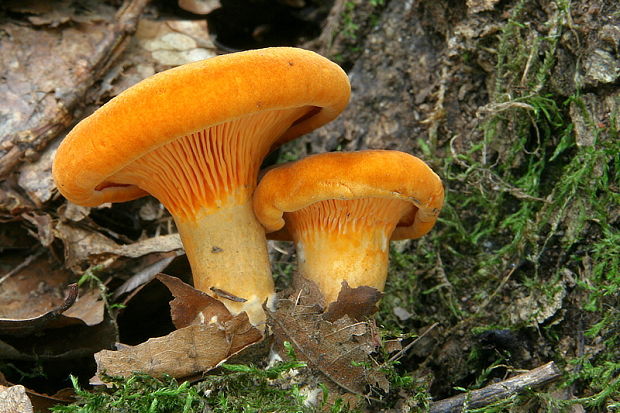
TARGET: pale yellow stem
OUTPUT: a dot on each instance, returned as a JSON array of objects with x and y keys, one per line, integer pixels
[
  {"x": 227, "y": 251},
  {"x": 359, "y": 258}
]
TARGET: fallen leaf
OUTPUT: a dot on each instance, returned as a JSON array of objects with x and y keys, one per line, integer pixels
[
  {"x": 35, "y": 297},
  {"x": 200, "y": 6},
  {"x": 357, "y": 303},
  {"x": 81, "y": 245},
  {"x": 147, "y": 273},
  {"x": 191, "y": 306},
  {"x": 340, "y": 349},
  {"x": 193, "y": 349},
  {"x": 43, "y": 224},
  {"x": 207, "y": 335}
]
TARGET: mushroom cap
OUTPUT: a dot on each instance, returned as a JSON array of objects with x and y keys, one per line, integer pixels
[
  {"x": 349, "y": 176},
  {"x": 188, "y": 98}
]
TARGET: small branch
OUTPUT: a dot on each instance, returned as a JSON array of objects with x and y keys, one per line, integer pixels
[{"x": 483, "y": 397}]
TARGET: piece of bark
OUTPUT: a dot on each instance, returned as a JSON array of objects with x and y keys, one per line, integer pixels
[
  {"x": 537, "y": 377},
  {"x": 37, "y": 112}
]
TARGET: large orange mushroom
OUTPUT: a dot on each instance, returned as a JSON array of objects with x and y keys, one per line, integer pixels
[
  {"x": 194, "y": 137},
  {"x": 342, "y": 209}
]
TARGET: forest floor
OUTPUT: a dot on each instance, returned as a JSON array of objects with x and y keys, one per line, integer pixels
[{"x": 514, "y": 104}]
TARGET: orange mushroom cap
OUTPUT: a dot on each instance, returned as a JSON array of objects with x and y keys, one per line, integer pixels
[
  {"x": 190, "y": 98},
  {"x": 380, "y": 174}
]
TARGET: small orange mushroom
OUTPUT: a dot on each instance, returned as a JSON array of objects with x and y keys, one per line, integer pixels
[
  {"x": 194, "y": 137},
  {"x": 342, "y": 209}
]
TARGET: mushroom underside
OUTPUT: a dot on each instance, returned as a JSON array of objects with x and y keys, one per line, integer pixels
[{"x": 346, "y": 240}]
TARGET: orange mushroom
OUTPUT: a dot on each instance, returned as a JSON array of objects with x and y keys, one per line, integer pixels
[
  {"x": 194, "y": 137},
  {"x": 342, "y": 209}
]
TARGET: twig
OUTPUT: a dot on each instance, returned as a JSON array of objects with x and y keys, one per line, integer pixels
[
  {"x": 22, "y": 265},
  {"x": 483, "y": 397},
  {"x": 408, "y": 346}
]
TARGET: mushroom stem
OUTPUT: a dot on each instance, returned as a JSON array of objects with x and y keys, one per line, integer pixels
[
  {"x": 328, "y": 259},
  {"x": 227, "y": 251}
]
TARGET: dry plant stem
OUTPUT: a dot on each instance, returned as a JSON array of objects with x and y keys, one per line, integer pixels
[
  {"x": 483, "y": 397},
  {"x": 227, "y": 251}
]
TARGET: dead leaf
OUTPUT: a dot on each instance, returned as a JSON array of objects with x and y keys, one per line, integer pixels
[
  {"x": 358, "y": 303},
  {"x": 89, "y": 308},
  {"x": 81, "y": 245},
  {"x": 207, "y": 335},
  {"x": 191, "y": 306},
  {"x": 43, "y": 224},
  {"x": 147, "y": 273},
  {"x": 200, "y": 6},
  {"x": 60, "y": 344},
  {"x": 340, "y": 350},
  {"x": 193, "y": 349},
  {"x": 181, "y": 353}
]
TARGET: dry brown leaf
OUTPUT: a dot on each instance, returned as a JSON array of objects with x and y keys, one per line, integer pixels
[
  {"x": 89, "y": 307},
  {"x": 357, "y": 303},
  {"x": 193, "y": 349},
  {"x": 207, "y": 336},
  {"x": 33, "y": 298},
  {"x": 43, "y": 224},
  {"x": 147, "y": 273},
  {"x": 60, "y": 344},
  {"x": 200, "y": 6},
  {"x": 330, "y": 347},
  {"x": 191, "y": 306},
  {"x": 183, "y": 352},
  {"x": 81, "y": 245}
]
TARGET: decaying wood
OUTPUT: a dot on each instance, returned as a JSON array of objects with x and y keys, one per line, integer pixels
[
  {"x": 20, "y": 144},
  {"x": 483, "y": 397}
]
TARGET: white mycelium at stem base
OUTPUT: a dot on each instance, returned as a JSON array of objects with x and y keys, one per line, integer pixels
[{"x": 345, "y": 240}]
